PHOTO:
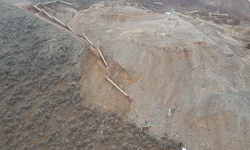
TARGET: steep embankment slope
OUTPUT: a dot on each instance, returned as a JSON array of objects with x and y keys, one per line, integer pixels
[
  {"x": 202, "y": 71},
  {"x": 40, "y": 102}
]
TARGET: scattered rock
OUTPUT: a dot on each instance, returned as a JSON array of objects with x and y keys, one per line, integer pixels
[
  {"x": 26, "y": 106},
  {"x": 7, "y": 129},
  {"x": 94, "y": 127},
  {"x": 9, "y": 114},
  {"x": 113, "y": 148},
  {"x": 28, "y": 125},
  {"x": 18, "y": 90},
  {"x": 47, "y": 115},
  {"x": 60, "y": 119},
  {"x": 10, "y": 137},
  {"x": 67, "y": 141},
  {"x": 124, "y": 145},
  {"x": 72, "y": 120},
  {"x": 44, "y": 103}
]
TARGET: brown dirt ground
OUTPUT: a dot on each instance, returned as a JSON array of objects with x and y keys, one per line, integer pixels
[{"x": 212, "y": 129}]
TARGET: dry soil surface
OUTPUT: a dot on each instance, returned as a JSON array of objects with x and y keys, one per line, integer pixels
[
  {"x": 160, "y": 60},
  {"x": 165, "y": 60},
  {"x": 42, "y": 106}
]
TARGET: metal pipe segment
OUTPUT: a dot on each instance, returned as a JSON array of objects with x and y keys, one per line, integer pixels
[
  {"x": 98, "y": 3},
  {"x": 66, "y": 2},
  {"x": 102, "y": 58},
  {"x": 38, "y": 3},
  {"x": 70, "y": 29},
  {"x": 160, "y": 3},
  {"x": 116, "y": 2},
  {"x": 87, "y": 38},
  {"x": 174, "y": 12},
  {"x": 117, "y": 86},
  {"x": 40, "y": 10},
  {"x": 143, "y": 7},
  {"x": 60, "y": 22},
  {"x": 46, "y": 3},
  {"x": 217, "y": 26},
  {"x": 47, "y": 14}
]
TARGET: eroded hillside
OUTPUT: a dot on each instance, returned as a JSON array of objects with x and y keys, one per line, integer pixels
[
  {"x": 41, "y": 101},
  {"x": 161, "y": 60}
]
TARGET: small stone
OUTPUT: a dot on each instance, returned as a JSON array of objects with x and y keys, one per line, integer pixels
[
  {"x": 17, "y": 117},
  {"x": 72, "y": 120},
  {"x": 124, "y": 145},
  {"x": 47, "y": 115},
  {"x": 113, "y": 148},
  {"x": 67, "y": 141},
  {"x": 9, "y": 114},
  {"x": 7, "y": 129},
  {"x": 40, "y": 134}
]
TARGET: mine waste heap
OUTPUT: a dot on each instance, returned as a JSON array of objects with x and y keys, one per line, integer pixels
[{"x": 129, "y": 75}]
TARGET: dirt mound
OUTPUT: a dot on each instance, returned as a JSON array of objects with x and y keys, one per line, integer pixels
[
  {"x": 41, "y": 103},
  {"x": 161, "y": 60},
  {"x": 203, "y": 72}
]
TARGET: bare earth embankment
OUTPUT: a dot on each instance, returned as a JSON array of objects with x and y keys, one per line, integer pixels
[{"x": 160, "y": 60}]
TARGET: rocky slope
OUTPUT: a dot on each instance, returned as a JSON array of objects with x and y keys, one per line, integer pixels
[
  {"x": 41, "y": 105},
  {"x": 167, "y": 60},
  {"x": 160, "y": 60}
]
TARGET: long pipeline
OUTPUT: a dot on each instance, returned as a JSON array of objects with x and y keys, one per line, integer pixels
[
  {"x": 212, "y": 24},
  {"x": 67, "y": 26}
]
